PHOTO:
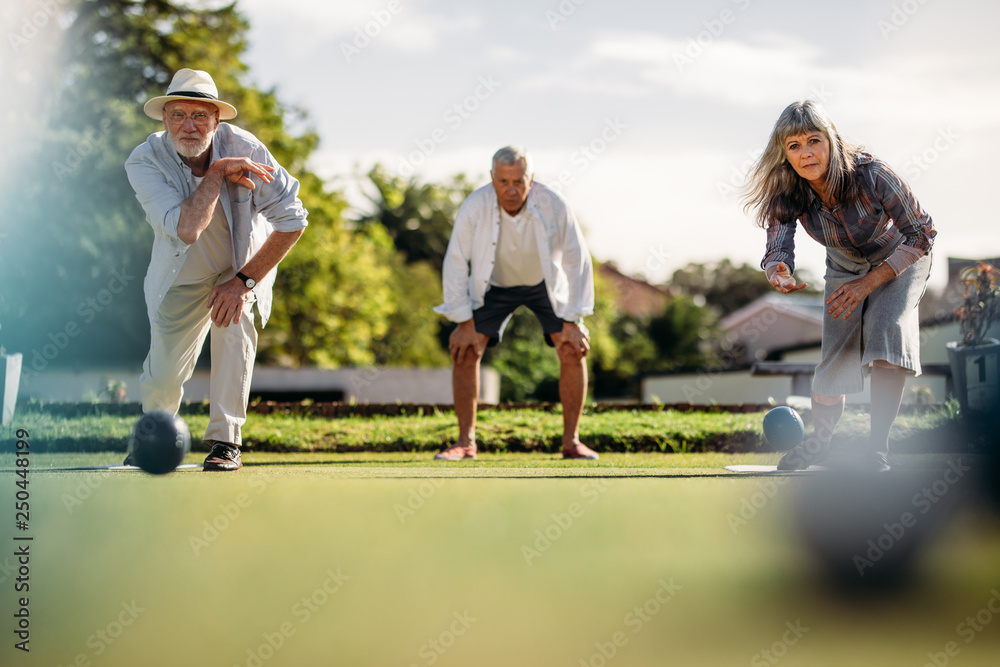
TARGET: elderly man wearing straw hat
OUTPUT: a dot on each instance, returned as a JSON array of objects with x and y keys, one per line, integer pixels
[{"x": 223, "y": 214}]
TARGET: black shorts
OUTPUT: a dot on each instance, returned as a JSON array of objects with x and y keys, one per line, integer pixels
[{"x": 501, "y": 302}]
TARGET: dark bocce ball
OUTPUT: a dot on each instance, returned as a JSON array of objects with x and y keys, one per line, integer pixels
[
  {"x": 159, "y": 442},
  {"x": 783, "y": 428}
]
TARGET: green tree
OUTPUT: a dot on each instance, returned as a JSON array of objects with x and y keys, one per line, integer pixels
[
  {"x": 685, "y": 336},
  {"x": 528, "y": 367},
  {"x": 73, "y": 223},
  {"x": 418, "y": 216},
  {"x": 723, "y": 285},
  {"x": 414, "y": 336},
  {"x": 616, "y": 374}
]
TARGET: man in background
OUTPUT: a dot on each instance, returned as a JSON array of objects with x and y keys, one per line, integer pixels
[{"x": 514, "y": 243}]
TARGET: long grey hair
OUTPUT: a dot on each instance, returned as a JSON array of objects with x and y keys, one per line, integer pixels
[{"x": 774, "y": 192}]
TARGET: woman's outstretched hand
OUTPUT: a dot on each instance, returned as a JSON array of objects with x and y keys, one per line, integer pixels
[{"x": 783, "y": 281}]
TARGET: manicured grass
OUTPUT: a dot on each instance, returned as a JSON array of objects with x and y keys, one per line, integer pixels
[
  {"x": 392, "y": 559},
  {"x": 520, "y": 430},
  {"x": 390, "y": 465}
]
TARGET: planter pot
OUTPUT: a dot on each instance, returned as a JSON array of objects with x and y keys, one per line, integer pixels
[
  {"x": 11, "y": 365},
  {"x": 975, "y": 373}
]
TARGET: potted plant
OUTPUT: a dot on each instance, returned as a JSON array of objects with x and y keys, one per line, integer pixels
[
  {"x": 10, "y": 365},
  {"x": 975, "y": 360}
]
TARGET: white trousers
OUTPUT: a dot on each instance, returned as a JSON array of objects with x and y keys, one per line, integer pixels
[{"x": 177, "y": 335}]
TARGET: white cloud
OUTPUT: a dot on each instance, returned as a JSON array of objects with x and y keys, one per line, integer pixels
[
  {"x": 420, "y": 32},
  {"x": 410, "y": 28},
  {"x": 924, "y": 87},
  {"x": 335, "y": 17},
  {"x": 654, "y": 187}
]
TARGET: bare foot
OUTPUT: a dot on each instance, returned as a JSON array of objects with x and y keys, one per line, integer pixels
[
  {"x": 456, "y": 453},
  {"x": 579, "y": 450}
]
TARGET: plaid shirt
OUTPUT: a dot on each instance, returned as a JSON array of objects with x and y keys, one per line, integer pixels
[{"x": 885, "y": 211}]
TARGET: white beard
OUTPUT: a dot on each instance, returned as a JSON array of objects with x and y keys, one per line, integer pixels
[{"x": 200, "y": 148}]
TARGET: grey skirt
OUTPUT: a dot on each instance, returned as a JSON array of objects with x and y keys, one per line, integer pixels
[{"x": 885, "y": 327}]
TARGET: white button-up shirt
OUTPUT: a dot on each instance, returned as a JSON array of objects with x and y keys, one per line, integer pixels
[
  {"x": 469, "y": 261},
  {"x": 162, "y": 181},
  {"x": 517, "y": 261}
]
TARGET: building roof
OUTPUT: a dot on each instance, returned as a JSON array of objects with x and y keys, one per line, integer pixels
[
  {"x": 808, "y": 308},
  {"x": 635, "y": 296}
]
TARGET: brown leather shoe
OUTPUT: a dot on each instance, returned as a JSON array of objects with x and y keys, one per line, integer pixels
[{"x": 223, "y": 457}]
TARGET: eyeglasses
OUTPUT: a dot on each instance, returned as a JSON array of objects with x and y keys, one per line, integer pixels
[{"x": 200, "y": 118}]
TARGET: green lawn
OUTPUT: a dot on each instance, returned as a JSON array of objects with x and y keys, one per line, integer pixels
[
  {"x": 297, "y": 429},
  {"x": 513, "y": 559}
]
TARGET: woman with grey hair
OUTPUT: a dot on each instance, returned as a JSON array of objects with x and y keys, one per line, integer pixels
[{"x": 878, "y": 257}]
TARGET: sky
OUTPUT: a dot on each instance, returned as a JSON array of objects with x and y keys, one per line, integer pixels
[{"x": 646, "y": 115}]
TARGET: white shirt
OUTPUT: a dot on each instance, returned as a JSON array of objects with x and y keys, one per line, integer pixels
[
  {"x": 212, "y": 254},
  {"x": 566, "y": 263},
  {"x": 162, "y": 181},
  {"x": 517, "y": 261}
]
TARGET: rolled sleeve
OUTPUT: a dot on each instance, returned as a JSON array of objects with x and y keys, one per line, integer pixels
[
  {"x": 579, "y": 269},
  {"x": 904, "y": 209},
  {"x": 160, "y": 197},
  {"x": 902, "y": 258},
  {"x": 780, "y": 245},
  {"x": 457, "y": 305},
  {"x": 278, "y": 201}
]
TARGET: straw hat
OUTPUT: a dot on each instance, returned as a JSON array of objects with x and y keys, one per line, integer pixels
[{"x": 190, "y": 85}]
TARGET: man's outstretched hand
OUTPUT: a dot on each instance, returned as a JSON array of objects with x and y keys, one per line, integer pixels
[{"x": 235, "y": 169}]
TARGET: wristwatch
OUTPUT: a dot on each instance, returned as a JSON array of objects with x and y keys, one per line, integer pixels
[{"x": 247, "y": 280}]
